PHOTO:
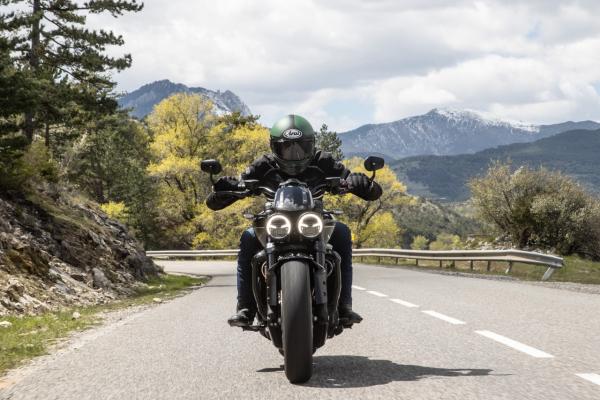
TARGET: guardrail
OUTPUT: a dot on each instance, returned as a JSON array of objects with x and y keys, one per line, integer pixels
[{"x": 509, "y": 256}]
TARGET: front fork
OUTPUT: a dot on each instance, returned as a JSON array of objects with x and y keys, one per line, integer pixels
[{"x": 323, "y": 310}]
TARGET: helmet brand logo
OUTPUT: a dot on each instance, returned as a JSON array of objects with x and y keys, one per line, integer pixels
[{"x": 292, "y": 134}]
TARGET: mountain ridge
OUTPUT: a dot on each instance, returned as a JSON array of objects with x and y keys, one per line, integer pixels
[
  {"x": 447, "y": 132},
  {"x": 143, "y": 99},
  {"x": 575, "y": 153}
]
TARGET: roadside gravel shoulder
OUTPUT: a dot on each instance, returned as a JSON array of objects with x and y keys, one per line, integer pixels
[{"x": 108, "y": 321}]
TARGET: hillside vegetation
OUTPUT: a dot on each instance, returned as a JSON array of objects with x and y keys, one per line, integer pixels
[{"x": 575, "y": 153}]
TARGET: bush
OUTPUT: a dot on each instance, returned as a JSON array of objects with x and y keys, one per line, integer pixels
[
  {"x": 115, "y": 210},
  {"x": 446, "y": 241},
  {"x": 38, "y": 165},
  {"x": 539, "y": 208},
  {"x": 419, "y": 243}
]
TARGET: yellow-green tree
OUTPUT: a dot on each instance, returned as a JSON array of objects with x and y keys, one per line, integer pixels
[
  {"x": 372, "y": 223},
  {"x": 185, "y": 131},
  {"x": 182, "y": 126},
  {"x": 236, "y": 150}
]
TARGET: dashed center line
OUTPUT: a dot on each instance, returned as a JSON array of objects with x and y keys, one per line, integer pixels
[
  {"x": 443, "y": 317},
  {"x": 358, "y": 287},
  {"x": 404, "y": 303},
  {"x": 378, "y": 294},
  {"x": 594, "y": 378},
  {"x": 515, "y": 345}
]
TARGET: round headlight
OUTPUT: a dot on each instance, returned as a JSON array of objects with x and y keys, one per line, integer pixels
[
  {"x": 278, "y": 226},
  {"x": 310, "y": 225}
]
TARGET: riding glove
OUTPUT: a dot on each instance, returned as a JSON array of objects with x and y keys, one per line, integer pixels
[
  {"x": 360, "y": 185},
  {"x": 226, "y": 183}
]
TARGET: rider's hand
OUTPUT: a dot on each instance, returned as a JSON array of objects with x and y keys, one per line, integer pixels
[
  {"x": 359, "y": 184},
  {"x": 226, "y": 183}
]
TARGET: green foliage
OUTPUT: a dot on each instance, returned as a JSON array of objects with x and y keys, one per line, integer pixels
[
  {"x": 539, "y": 208},
  {"x": 446, "y": 241},
  {"x": 64, "y": 64},
  {"x": 115, "y": 210},
  {"x": 419, "y": 243},
  {"x": 372, "y": 222},
  {"x": 109, "y": 162},
  {"x": 427, "y": 218},
  {"x": 329, "y": 141}
]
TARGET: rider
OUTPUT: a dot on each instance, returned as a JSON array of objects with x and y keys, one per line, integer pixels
[{"x": 293, "y": 146}]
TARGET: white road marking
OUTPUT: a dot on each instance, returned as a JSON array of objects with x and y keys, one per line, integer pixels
[
  {"x": 404, "y": 303},
  {"x": 358, "y": 287},
  {"x": 594, "y": 378},
  {"x": 443, "y": 317},
  {"x": 515, "y": 345},
  {"x": 378, "y": 294}
]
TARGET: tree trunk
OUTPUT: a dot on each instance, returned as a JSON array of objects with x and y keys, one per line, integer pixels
[{"x": 34, "y": 63}]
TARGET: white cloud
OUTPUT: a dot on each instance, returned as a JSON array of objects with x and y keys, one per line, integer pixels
[{"x": 535, "y": 60}]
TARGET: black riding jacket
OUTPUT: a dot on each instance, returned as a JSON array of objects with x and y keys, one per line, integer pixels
[{"x": 267, "y": 172}]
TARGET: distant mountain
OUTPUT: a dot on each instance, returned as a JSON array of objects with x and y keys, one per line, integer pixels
[
  {"x": 446, "y": 132},
  {"x": 575, "y": 153},
  {"x": 143, "y": 100}
]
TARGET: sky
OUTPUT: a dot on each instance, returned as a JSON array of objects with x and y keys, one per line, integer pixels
[{"x": 352, "y": 62}]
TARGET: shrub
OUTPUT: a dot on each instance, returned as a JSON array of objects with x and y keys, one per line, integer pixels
[
  {"x": 539, "y": 208},
  {"x": 446, "y": 241},
  {"x": 419, "y": 243},
  {"x": 115, "y": 210}
]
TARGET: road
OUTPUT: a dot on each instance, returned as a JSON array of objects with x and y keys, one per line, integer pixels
[{"x": 424, "y": 336}]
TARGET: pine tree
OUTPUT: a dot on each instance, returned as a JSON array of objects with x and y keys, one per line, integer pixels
[
  {"x": 65, "y": 58},
  {"x": 329, "y": 141}
]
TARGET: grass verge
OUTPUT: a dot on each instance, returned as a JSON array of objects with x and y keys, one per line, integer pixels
[
  {"x": 576, "y": 269},
  {"x": 31, "y": 336}
]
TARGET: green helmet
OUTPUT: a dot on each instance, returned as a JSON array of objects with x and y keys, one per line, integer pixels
[{"x": 293, "y": 144}]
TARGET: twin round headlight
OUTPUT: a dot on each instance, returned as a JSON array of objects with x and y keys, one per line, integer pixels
[{"x": 310, "y": 225}]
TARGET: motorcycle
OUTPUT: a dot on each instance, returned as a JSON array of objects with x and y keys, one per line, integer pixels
[{"x": 296, "y": 278}]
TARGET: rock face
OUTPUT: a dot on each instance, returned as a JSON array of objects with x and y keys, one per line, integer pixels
[
  {"x": 58, "y": 249},
  {"x": 143, "y": 100}
]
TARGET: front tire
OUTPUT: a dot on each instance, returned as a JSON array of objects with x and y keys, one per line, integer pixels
[{"x": 296, "y": 321}]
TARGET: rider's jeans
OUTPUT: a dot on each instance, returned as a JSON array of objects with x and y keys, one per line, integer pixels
[{"x": 341, "y": 240}]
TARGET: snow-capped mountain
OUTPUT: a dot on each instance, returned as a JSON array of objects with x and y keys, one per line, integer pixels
[
  {"x": 446, "y": 132},
  {"x": 143, "y": 100}
]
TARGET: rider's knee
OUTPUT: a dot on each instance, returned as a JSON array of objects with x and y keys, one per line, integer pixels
[
  {"x": 344, "y": 232},
  {"x": 248, "y": 234},
  {"x": 248, "y": 239}
]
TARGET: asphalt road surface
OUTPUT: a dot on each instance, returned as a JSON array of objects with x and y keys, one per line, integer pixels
[{"x": 424, "y": 336}]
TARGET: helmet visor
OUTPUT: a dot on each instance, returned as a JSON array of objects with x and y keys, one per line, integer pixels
[{"x": 293, "y": 150}]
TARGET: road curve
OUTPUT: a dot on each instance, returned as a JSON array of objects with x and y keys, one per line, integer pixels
[{"x": 425, "y": 336}]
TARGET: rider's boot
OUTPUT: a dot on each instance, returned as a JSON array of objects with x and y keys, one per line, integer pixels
[
  {"x": 243, "y": 317},
  {"x": 347, "y": 315}
]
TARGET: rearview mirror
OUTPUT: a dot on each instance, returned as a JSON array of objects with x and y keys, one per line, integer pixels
[
  {"x": 212, "y": 167},
  {"x": 373, "y": 163}
]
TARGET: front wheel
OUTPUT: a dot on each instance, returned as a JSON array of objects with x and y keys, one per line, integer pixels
[{"x": 296, "y": 321}]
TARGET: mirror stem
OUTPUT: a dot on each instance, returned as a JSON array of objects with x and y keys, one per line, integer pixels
[{"x": 372, "y": 177}]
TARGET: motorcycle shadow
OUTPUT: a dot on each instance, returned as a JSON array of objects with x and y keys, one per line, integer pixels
[{"x": 358, "y": 371}]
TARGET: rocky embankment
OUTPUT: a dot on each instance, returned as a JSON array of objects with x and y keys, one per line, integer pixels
[{"x": 59, "y": 249}]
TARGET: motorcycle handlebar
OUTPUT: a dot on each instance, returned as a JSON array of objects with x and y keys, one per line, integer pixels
[{"x": 247, "y": 188}]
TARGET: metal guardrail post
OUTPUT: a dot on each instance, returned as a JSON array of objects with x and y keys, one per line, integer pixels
[
  {"x": 510, "y": 265},
  {"x": 548, "y": 273}
]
